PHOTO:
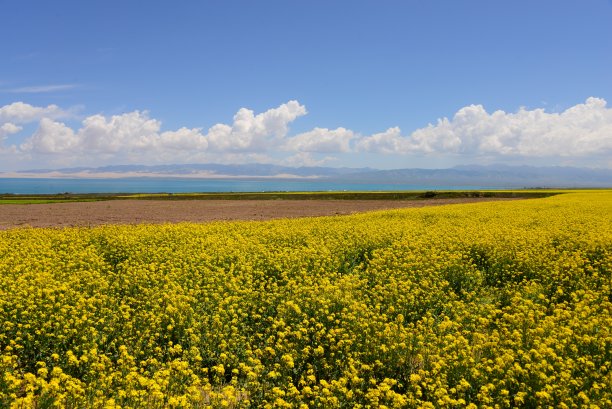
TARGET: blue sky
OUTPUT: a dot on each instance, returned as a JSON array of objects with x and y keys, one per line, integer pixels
[{"x": 387, "y": 84}]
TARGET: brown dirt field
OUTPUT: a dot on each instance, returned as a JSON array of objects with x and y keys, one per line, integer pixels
[{"x": 169, "y": 211}]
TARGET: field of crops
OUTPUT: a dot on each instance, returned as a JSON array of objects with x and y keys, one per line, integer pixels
[{"x": 480, "y": 305}]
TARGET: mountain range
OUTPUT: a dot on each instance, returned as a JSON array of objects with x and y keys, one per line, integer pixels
[{"x": 472, "y": 175}]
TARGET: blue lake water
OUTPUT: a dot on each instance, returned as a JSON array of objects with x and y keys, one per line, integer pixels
[{"x": 177, "y": 185}]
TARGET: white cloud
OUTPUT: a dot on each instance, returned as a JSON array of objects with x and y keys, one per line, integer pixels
[
  {"x": 135, "y": 136},
  {"x": 255, "y": 133},
  {"x": 8, "y": 129},
  {"x": 583, "y": 129},
  {"x": 321, "y": 140},
  {"x": 22, "y": 113},
  {"x": 51, "y": 138},
  {"x": 119, "y": 133},
  {"x": 578, "y": 134},
  {"x": 132, "y": 135},
  {"x": 183, "y": 139},
  {"x": 390, "y": 142}
]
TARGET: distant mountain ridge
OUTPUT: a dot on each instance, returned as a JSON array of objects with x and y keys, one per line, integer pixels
[
  {"x": 496, "y": 175},
  {"x": 250, "y": 170},
  {"x": 471, "y": 175}
]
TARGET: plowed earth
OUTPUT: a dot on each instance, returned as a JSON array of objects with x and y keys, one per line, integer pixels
[{"x": 173, "y": 211}]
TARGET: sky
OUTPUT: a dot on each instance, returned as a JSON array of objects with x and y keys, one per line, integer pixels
[{"x": 343, "y": 83}]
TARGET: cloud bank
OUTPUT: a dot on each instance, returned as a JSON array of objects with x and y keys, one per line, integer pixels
[{"x": 582, "y": 131}]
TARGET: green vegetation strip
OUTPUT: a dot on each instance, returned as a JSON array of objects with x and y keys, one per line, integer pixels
[
  {"x": 398, "y": 195},
  {"x": 30, "y": 200}
]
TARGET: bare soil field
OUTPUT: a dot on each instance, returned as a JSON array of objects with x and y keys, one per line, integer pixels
[{"x": 168, "y": 211}]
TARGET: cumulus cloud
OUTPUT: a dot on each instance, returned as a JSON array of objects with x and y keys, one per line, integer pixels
[
  {"x": 22, "y": 113},
  {"x": 8, "y": 128},
  {"x": 127, "y": 135},
  {"x": 250, "y": 132},
  {"x": 321, "y": 140},
  {"x": 390, "y": 141},
  {"x": 119, "y": 133},
  {"x": 136, "y": 136},
  {"x": 183, "y": 139},
  {"x": 51, "y": 138},
  {"x": 581, "y": 130}
]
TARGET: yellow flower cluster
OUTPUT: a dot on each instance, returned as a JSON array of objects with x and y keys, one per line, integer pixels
[{"x": 492, "y": 305}]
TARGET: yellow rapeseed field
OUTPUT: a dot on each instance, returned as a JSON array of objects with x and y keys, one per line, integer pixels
[{"x": 500, "y": 304}]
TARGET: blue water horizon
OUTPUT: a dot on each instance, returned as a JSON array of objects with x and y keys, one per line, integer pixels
[{"x": 190, "y": 185}]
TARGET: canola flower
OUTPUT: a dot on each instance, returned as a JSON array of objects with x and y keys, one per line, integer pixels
[{"x": 492, "y": 305}]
